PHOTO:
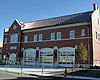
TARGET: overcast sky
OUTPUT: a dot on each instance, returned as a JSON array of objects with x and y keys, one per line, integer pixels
[{"x": 32, "y": 10}]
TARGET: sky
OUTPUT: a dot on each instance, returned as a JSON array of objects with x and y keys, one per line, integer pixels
[{"x": 32, "y": 10}]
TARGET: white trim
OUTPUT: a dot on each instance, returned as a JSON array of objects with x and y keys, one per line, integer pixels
[
  {"x": 50, "y": 40},
  {"x": 43, "y": 56},
  {"x": 40, "y": 37},
  {"x": 29, "y": 52},
  {"x": 58, "y": 40},
  {"x": 57, "y": 27},
  {"x": 63, "y": 51},
  {"x": 17, "y": 22},
  {"x": 35, "y": 37},
  {"x": 53, "y": 36},
  {"x": 58, "y": 35}
]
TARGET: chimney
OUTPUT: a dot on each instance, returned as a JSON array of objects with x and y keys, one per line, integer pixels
[{"x": 95, "y": 6}]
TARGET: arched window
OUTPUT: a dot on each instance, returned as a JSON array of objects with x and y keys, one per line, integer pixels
[{"x": 14, "y": 38}]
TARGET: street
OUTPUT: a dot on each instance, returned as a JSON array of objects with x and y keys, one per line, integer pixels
[{"x": 14, "y": 76}]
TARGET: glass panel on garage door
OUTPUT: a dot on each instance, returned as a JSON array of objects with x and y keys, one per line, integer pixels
[
  {"x": 66, "y": 57},
  {"x": 29, "y": 56},
  {"x": 46, "y": 57}
]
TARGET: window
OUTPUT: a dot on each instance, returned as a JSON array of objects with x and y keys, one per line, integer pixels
[
  {"x": 99, "y": 37},
  {"x": 14, "y": 38},
  {"x": 72, "y": 34},
  {"x": 83, "y": 32},
  {"x": 25, "y": 38},
  {"x": 13, "y": 47},
  {"x": 40, "y": 37},
  {"x": 96, "y": 35},
  {"x": 98, "y": 20},
  {"x": 58, "y": 35},
  {"x": 5, "y": 40},
  {"x": 52, "y": 36},
  {"x": 35, "y": 38}
]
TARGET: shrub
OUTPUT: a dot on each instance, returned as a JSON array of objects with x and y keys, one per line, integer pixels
[{"x": 96, "y": 67}]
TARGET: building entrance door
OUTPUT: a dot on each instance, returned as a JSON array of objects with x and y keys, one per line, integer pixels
[
  {"x": 46, "y": 57},
  {"x": 12, "y": 58},
  {"x": 66, "y": 57}
]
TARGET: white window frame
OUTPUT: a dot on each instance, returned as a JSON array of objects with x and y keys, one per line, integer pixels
[
  {"x": 35, "y": 38},
  {"x": 25, "y": 38},
  {"x": 13, "y": 38},
  {"x": 40, "y": 37},
  {"x": 72, "y": 34},
  {"x": 83, "y": 32},
  {"x": 58, "y": 35},
  {"x": 53, "y": 36},
  {"x": 5, "y": 40}
]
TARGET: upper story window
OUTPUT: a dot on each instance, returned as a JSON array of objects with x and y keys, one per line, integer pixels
[
  {"x": 40, "y": 37},
  {"x": 52, "y": 36},
  {"x": 98, "y": 21},
  {"x": 83, "y": 32},
  {"x": 58, "y": 35},
  {"x": 5, "y": 40},
  {"x": 25, "y": 38},
  {"x": 14, "y": 38},
  {"x": 96, "y": 35},
  {"x": 99, "y": 36},
  {"x": 35, "y": 37},
  {"x": 72, "y": 34}
]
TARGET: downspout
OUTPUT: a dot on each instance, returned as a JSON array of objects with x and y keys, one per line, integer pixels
[{"x": 20, "y": 54}]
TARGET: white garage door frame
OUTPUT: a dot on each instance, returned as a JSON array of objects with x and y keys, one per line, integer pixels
[
  {"x": 66, "y": 57},
  {"x": 29, "y": 56},
  {"x": 46, "y": 54}
]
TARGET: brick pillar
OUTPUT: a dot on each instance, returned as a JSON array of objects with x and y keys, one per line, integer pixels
[
  {"x": 76, "y": 56},
  {"x": 37, "y": 57},
  {"x": 55, "y": 57},
  {"x": 21, "y": 60}
]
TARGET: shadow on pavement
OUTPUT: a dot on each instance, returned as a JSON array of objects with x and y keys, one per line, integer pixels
[{"x": 43, "y": 78}]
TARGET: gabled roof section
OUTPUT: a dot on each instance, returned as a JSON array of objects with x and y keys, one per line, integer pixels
[
  {"x": 17, "y": 22},
  {"x": 85, "y": 16}
]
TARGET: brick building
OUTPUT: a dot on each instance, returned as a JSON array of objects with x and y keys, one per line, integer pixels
[{"x": 54, "y": 41}]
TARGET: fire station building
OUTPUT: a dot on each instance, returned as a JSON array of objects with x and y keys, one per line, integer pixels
[{"x": 54, "y": 41}]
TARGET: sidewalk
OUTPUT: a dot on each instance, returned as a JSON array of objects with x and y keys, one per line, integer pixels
[{"x": 31, "y": 70}]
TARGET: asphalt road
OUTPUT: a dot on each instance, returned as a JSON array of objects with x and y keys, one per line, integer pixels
[{"x": 14, "y": 76}]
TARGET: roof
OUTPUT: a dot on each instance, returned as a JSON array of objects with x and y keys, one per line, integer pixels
[{"x": 79, "y": 17}]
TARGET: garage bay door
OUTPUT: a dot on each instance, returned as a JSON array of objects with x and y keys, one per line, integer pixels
[
  {"x": 46, "y": 56},
  {"x": 66, "y": 57},
  {"x": 29, "y": 56}
]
